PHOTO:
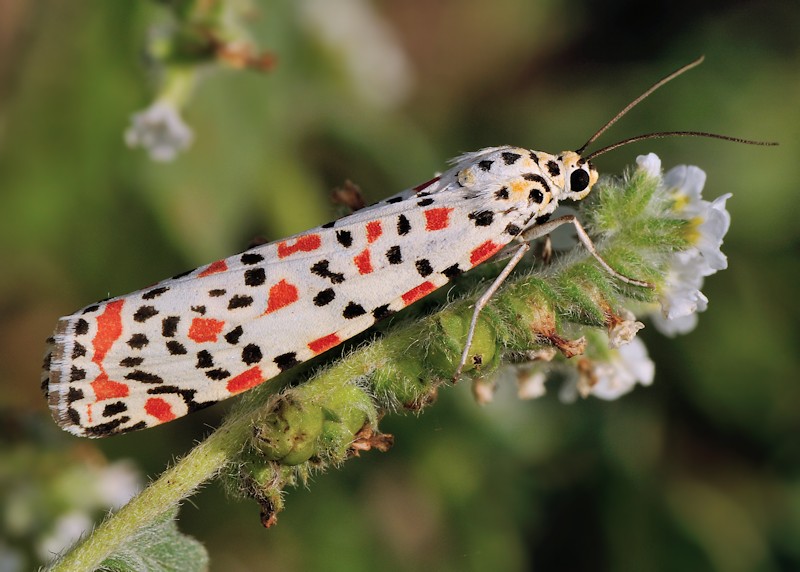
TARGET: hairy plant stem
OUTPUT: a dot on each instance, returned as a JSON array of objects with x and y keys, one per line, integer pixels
[{"x": 175, "y": 484}]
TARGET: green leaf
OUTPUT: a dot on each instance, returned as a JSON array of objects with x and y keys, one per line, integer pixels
[{"x": 158, "y": 547}]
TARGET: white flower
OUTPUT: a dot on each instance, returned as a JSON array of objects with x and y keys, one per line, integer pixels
[
  {"x": 681, "y": 298},
  {"x": 160, "y": 130},
  {"x": 650, "y": 164},
  {"x": 710, "y": 219},
  {"x": 626, "y": 366},
  {"x": 623, "y": 329}
]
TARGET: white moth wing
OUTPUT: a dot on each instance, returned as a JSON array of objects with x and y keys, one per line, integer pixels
[{"x": 187, "y": 342}]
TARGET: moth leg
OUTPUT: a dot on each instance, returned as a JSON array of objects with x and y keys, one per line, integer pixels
[
  {"x": 526, "y": 236},
  {"x": 484, "y": 299},
  {"x": 540, "y": 230},
  {"x": 545, "y": 252}
]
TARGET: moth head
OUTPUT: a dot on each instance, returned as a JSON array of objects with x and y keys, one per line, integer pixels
[{"x": 579, "y": 176}]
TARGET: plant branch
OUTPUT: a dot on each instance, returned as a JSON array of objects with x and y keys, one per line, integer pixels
[{"x": 274, "y": 440}]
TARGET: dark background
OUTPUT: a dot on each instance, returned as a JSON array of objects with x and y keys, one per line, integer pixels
[{"x": 701, "y": 471}]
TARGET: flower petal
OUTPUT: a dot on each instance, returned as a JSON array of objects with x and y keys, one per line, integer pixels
[{"x": 160, "y": 130}]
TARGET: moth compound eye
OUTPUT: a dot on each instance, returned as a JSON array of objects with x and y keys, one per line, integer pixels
[{"x": 578, "y": 180}]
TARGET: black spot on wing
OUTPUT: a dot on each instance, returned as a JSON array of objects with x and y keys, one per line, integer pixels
[
  {"x": 169, "y": 326},
  {"x": 78, "y": 350},
  {"x": 138, "y": 341},
  {"x": 233, "y": 336},
  {"x": 424, "y": 267},
  {"x": 74, "y": 416},
  {"x": 382, "y": 312},
  {"x": 204, "y": 359},
  {"x": 452, "y": 271},
  {"x": 353, "y": 310},
  {"x": 114, "y": 408},
  {"x": 322, "y": 270},
  {"x": 255, "y": 276},
  {"x": 143, "y": 377},
  {"x": 250, "y": 258},
  {"x": 501, "y": 194},
  {"x": 394, "y": 255},
  {"x": 81, "y": 327},
  {"x": 186, "y": 394},
  {"x": 344, "y": 237},
  {"x": 251, "y": 354},
  {"x": 403, "y": 226},
  {"x": 324, "y": 297},
  {"x": 239, "y": 301},
  {"x": 104, "y": 429},
  {"x": 144, "y": 313},
  {"x": 482, "y": 218},
  {"x": 176, "y": 348},
  {"x": 74, "y": 394},
  {"x": 154, "y": 293},
  {"x": 217, "y": 374},
  {"x": 286, "y": 361}
]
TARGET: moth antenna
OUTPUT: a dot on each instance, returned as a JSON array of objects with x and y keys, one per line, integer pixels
[
  {"x": 662, "y": 134},
  {"x": 638, "y": 100}
]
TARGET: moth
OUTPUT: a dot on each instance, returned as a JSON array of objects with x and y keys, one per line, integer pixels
[{"x": 187, "y": 342}]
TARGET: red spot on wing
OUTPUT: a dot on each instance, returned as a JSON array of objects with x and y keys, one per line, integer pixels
[
  {"x": 105, "y": 388},
  {"x": 109, "y": 329},
  {"x": 418, "y": 292},
  {"x": 281, "y": 294},
  {"x": 214, "y": 267},
  {"x": 374, "y": 231},
  {"x": 324, "y": 343},
  {"x": 425, "y": 185},
  {"x": 363, "y": 262},
  {"x": 307, "y": 243},
  {"x": 483, "y": 251},
  {"x": 159, "y": 409},
  {"x": 245, "y": 380},
  {"x": 437, "y": 219},
  {"x": 205, "y": 330}
]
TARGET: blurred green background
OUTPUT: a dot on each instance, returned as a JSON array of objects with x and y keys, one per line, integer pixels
[{"x": 701, "y": 471}]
